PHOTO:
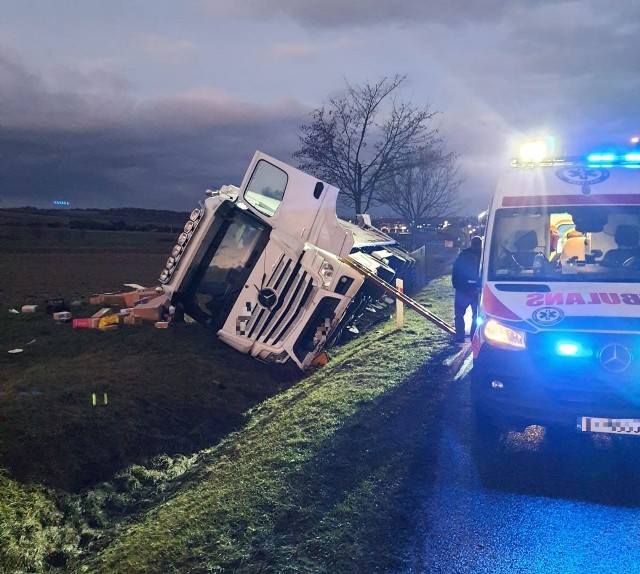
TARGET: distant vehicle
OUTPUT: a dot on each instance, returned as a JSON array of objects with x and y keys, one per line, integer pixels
[
  {"x": 559, "y": 335},
  {"x": 262, "y": 264}
]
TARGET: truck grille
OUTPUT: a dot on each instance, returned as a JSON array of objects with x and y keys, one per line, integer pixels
[{"x": 292, "y": 287}]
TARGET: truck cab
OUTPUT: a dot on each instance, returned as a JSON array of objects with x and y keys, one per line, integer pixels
[
  {"x": 262, "y": 264},
  {"x": 559, "y": 335}
]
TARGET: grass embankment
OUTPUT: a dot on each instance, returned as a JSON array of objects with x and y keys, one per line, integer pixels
[{"x": 319, "y": 479}]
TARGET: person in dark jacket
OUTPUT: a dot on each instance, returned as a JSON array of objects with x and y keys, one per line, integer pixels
[{"x": 465, "y": 277}]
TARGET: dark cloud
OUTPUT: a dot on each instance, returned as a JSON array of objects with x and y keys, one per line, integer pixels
[
  {"x": 338, "y": 13},
  {"x": 160, "y": 154}
]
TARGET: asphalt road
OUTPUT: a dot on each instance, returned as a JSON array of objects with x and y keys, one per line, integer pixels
[{"x": 539, "y": 502}]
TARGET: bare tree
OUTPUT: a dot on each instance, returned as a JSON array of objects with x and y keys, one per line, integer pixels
[
  {"x": 429, "y": 188},
  {"x": 358, "y": 143}
]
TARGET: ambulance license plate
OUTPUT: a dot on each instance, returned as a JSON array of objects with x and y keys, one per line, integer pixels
[{"x": 609, "y": 426}]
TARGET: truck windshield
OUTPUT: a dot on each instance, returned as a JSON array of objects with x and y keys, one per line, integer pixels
[
  {"x": 566, "y": 243},
  {"x": 224, "y": 269}
]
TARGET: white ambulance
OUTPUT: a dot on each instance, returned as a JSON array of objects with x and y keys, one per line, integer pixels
[{"x": 558, "y": 341}]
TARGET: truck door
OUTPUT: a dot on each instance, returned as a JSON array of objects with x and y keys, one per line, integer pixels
[{"x": 293, "y": 203}]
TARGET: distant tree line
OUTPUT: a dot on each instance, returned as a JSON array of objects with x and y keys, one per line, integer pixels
[{"x": 118, "y": 219}]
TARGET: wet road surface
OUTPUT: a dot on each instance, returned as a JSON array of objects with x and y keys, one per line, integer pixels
[{"x": 537, "y": 502}]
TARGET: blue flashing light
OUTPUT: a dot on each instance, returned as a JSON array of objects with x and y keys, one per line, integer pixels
[
  {"x": 573, "y": 348},
  {"x": 568, "y": 349},
  {"x": 601, "y": 157},
  {"x": 632, "y": 157}
]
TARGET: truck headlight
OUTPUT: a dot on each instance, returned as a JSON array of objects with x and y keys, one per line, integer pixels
[
  {"x": 188, "y": 226},
  {"x": 500, "y": 335},
  {"x": 183, "y": 238},
  {"x": 177, "y": 249},
  {"x": 170, "y": 262},
  {"x": 326, "y": 272},
  {"x": 195, "y": 214}
]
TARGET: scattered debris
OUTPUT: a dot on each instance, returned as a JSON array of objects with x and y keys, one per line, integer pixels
[
  {"x": 142, "y": 304},
  {"x": 153, "y": 310},
  {"x": 62, "y": 316},
  {"x": 102, "y": 313},
  {"x": 94, "y": 399},
  {"x": 57, "y": 305},
  {"x": 108, "y": 321}
]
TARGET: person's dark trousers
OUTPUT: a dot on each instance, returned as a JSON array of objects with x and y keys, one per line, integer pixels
[{"x": 464, "y": 299}]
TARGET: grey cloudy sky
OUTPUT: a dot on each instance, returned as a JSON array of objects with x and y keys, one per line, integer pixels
[{"x": 131, "y": 103}]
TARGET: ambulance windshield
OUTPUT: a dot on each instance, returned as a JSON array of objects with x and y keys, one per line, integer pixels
[{"x": 566, "y": 243}]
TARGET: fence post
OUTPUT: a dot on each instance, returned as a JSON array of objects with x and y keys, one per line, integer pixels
[{"x": 399, "y": 305}]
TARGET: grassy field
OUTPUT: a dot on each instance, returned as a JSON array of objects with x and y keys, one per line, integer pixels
[{"x": 202, "y": 459}]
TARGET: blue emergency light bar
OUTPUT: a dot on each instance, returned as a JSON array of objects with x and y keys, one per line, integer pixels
[
  {"x": 630, "y": 159},
  {"x": 608, "y": 159}
]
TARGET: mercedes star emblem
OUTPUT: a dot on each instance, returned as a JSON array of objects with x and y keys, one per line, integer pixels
[
  {"x": 267, "y": 298},
  {"x": 615, "y": 357}
]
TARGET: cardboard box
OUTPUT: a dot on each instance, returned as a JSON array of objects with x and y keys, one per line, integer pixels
[
  {"x": 132, "y": 320},
  {"x": 130, "y": 298},
  {"x": 108, "y": 327},
  {"x": 62, "y": 316},
  {"x": 161, "y": 324},
  {"x": 114, "y": 299},
  {"x": 153, "y": 310},
  {"x": 82, "y": 323},
  {"x": 122, "y": 314},
  {"x": 102, "y": 313},
  {"x": 29, "y": 308},
  {"x": 151, "y": 292}
]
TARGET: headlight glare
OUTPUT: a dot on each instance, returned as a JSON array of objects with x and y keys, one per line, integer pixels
[{"x": 500, "y": 335}]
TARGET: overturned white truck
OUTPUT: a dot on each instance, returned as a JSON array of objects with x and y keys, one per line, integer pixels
[{"x": 264, "y": 264}]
